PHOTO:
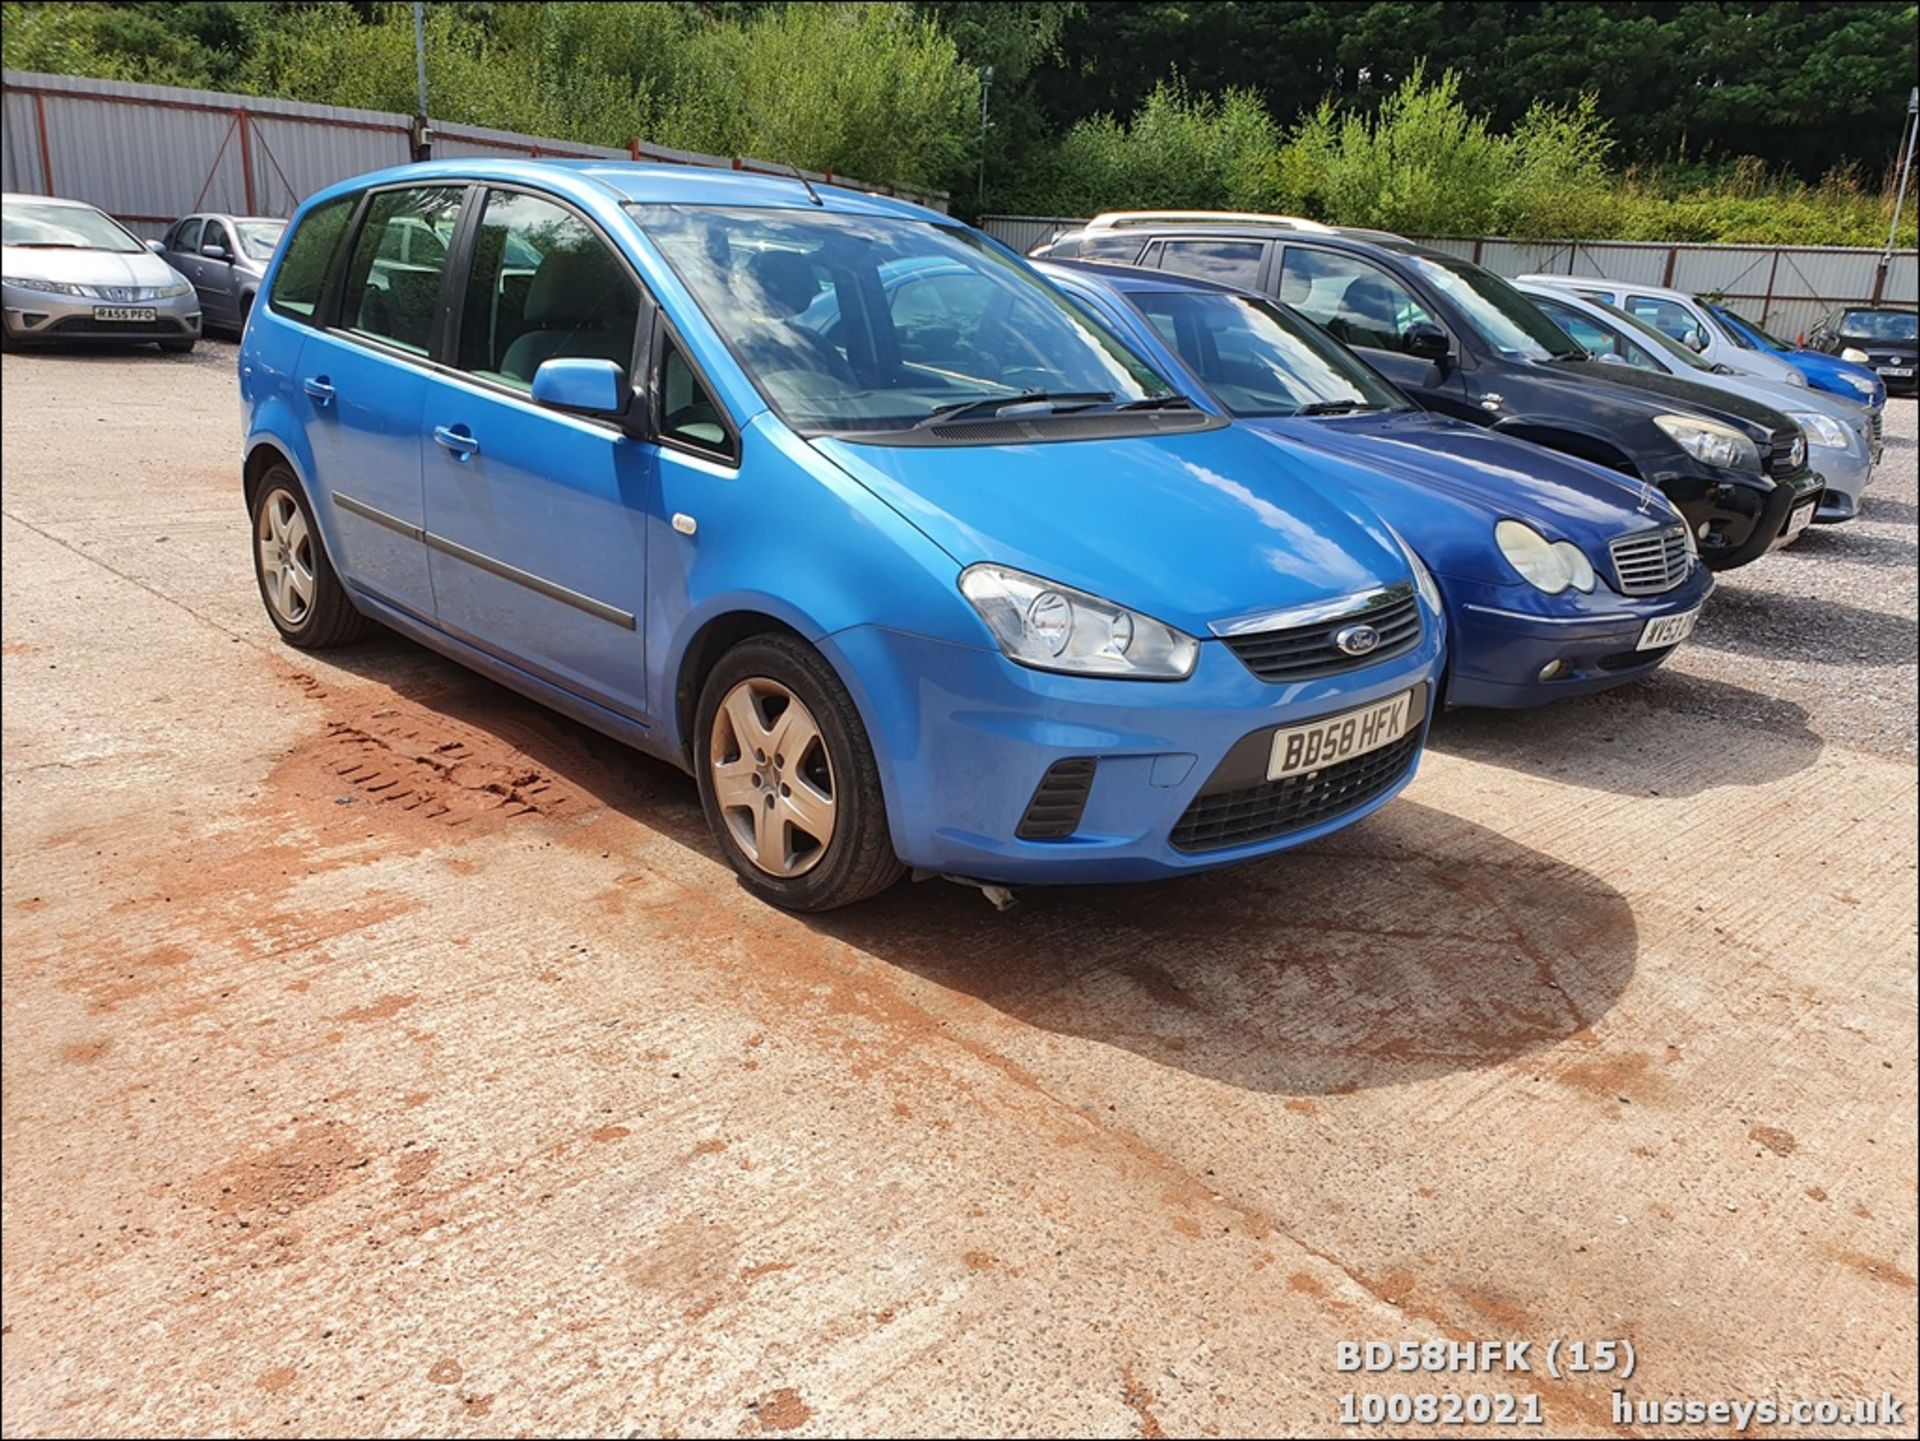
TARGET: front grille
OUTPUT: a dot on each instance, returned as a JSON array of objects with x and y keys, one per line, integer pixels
[
  {"x": 1306, "y": 652},
  {"x": 1058, "y": 801},
  {"x": 1649, "y": 562},
  {"x": 87, "y": 325},
  {"x": 1780, "y": 460},
  {"x": 1277, "y": 808},
  {"x": 1628, "y": 659},
  {"x": 1876, "y": 423}
]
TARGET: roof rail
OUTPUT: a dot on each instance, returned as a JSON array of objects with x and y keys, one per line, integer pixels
[{"x": 1113, "y": 219}]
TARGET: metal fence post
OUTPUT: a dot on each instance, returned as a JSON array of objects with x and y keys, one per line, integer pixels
[
  {"x": 246, "y": 157},
  {"x": 46, "y": 156}
]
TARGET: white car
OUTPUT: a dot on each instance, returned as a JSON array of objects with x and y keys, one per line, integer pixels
[
  {"x": 1684, "y": 317},
  {"x": 69, "y": 272}
]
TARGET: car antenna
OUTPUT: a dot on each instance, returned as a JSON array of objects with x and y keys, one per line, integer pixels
[{"x": 812, "y": 194}]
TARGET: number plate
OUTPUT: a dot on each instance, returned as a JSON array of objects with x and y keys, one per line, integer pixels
[
  {"x": 1299, "y": 749},
  {"x": 123, "y": 312},
  {"x": 1898, "y": 372},
  {"x": 1666, "y": 630},
  {"x": 1799, "y": 520}
]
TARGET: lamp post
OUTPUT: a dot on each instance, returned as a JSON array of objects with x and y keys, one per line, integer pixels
[
  {"x": 986, "y": 88},
  {"x": 422, "y": 136},
  {"x": 1906, "y": 166}
]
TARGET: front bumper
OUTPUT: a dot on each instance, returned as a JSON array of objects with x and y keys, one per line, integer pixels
[
  {"x": 1501, "y": 637},
  {"x": 1737, "y": 517},
  {"x": 1846, "y": 472},
  {"x": 40, "y": 316},
  {"x": 963, "y": 738}
]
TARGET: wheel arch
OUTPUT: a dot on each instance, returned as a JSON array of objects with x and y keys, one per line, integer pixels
[{"x": 716, "y": 636}]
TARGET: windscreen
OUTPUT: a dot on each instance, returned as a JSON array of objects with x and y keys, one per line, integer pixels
[
  {"x": 258, "y": 237},
  {"x": 850, "y": 323},
  {"x": 1879, "y": 325},
  {"x": 63, "y": 227},
  {"x": 1258, "y": 360},
  {"x": 1502, "y": 316}
]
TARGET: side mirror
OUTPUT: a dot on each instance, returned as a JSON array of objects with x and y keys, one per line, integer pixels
[
  {"x": 589, "y": 387},
  {"x": 217, "y": 252},
  {"x": 158, "y": 247},
  {"x": 1611, "y": 359},
  {"x": 1426, "y": 341},
  {"x": 1696, "y": 339}
]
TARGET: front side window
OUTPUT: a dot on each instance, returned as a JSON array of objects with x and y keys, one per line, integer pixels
[
  {"x": 188, "y": 240},
  {"x": 1115, "y": 249},
  {"x": 1258, "y": 360},
  {"x": 543, "y": 286},
  {"x": 808, "y": 304},
  {"x": 393, "y": 279},
  {"x": 1657, "y": 339},
  {"x": 303, "y": 269},
  {"x": 1500, "y": 315},
  {"x": 1358, "y": 302},
  {"x": 32, "y": 226},
  {"x": 1231, "y": 262},
  {"x": 1669, "y": 317}
]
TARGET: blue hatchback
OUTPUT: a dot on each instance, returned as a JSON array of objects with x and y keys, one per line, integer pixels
[
  {"x": 952, "y": 580},
  {"x": 1560, "y": 577},
  {"x": 1826, "y": 372}
]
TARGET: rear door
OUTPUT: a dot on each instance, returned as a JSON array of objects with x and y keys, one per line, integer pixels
[
  {"x": 538, "y": 521},
  {"x": 1370, "y": 310},
  {"x": 1228, "y": 261},
  {"x": 363, "y": 382}
]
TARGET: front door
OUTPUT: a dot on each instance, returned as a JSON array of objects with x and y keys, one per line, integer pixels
[
  {"x": 1370, "y": 310},
  {"x": 537, "y": 521},
  {"x": 364, "y": 384},
  {"x": 217, "y": 283}
]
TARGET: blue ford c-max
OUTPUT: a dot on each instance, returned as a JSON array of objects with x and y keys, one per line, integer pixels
[{"x": 962, "y": 585}]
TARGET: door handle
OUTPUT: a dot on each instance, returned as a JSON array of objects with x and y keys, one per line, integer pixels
[
  {"x": 457, "y": 439},
  {"x": 320, "y": 388}
]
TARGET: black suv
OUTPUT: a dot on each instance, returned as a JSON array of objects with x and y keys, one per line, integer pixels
[
  {"x": 1885, "y": 337},
  {"x": 1463, "y": 342}
]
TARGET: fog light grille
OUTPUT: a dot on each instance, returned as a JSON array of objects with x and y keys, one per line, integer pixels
[{"x": 1058, "y": 801}]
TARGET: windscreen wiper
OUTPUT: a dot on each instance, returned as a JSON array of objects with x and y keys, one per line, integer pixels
[
  {"x": 1157, "y": 402},
  {"x": 1336, "y": 407},
  {"x": 989, "y": 405}
]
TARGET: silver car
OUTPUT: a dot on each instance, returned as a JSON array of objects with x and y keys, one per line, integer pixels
[
  {"x": 224, "y": 256},
  {"x": 69, "y": 272},
  {"x": 1682, "y": 316},
  {"x": 1843, "y": 441}
]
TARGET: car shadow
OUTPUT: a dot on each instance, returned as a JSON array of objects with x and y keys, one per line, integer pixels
[
  {"x": 1614, "y": 741},
  {"x": 1847, "y": 543},
  {"x": 1413, "y": 944},
  {"x": 1890, "y": 512},
  {"x": 1772, "y": 625}
]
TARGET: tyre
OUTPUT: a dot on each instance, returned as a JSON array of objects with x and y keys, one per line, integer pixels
[
  {"x": 788, "y": 780},
  {"x": 304, "y": 598},
  {"x": 179, "y": 347}
]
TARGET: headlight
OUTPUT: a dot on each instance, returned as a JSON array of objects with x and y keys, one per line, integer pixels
[
  {"x": 50, "y": 287},
  {"x": 1855, "y": 354},
  {"x": 1548, "y": 565},
  {"x": 1794, "y": 377},
  {"x": 1054, "y": 627},
  {"x": 167, "y": 292},
  {"x": 1709, "y": 442},
  {"x": 1821, "y": 429},
  {"x": 1861, "y": 384}
]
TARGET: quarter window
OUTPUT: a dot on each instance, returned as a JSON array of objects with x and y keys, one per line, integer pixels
[
  {"x": 543, "y": 286},
  {"x": 687, "y": 412},
  {"x": 1231, "y": 262},
  {"x": 1359, "y": 303},
  {"x": 303, "y": 269},
  {"x": 393, "y": 280}
]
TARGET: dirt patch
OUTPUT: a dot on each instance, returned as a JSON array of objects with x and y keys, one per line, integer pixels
[
  {"x": 784, "y": 1411},
  {"x": 1780, "y": 1142},
  {"x": 265, "y": 1186},
  {"x": 1141, "y": 1401}
]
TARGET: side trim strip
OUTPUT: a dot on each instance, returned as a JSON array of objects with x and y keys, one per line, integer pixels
[
  {"x": 378, "y": 517},
  {"x": 549, "y": 589},
  {"x": 552, "y": 590},
  {"x": 1556, "y": 619}
]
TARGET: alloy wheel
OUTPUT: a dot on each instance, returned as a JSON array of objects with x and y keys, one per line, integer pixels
[
  {"x": 772, "y": 778},
  {"x": 286, "y": 558}
]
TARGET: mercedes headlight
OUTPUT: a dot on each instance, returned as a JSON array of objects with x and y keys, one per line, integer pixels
[
  {"x": 1548, "y": 565},
  {"x": 1855, "y": 354},
  {"x": 1055, "y": 627},
  {"x": 1821, "y": 429},
  {"x": 50, "y": 287},
  {"x": 1709, "y": 442}
]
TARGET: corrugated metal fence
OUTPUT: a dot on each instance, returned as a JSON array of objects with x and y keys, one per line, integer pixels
[
  {"x": 148, "y": 154},
  {"x": 1786, "y": 288}
]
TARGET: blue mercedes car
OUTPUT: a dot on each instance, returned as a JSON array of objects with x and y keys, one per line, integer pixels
[
  {"x": 1560, "y": 577},
  {"x": 954, "y": 581}
]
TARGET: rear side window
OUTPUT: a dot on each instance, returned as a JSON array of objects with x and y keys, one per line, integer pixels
[
  {"x": 544, "y": 286},
  {"x": 303, "y": 269},
  {"x": 1121, "y": 249},
  {"x": 393, "y": 280},
  {"x": 1669, "y": 317},
  {"x": 1231, "y": 262}
]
